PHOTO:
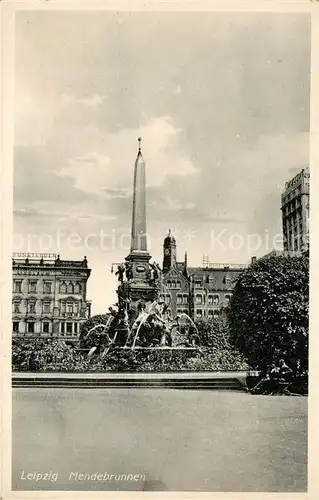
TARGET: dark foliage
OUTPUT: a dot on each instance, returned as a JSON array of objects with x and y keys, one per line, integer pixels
[
  {"x": 95, "y": 338},
  {"x": 43, "y": 355},
  {"x": 268, "y": 313}
]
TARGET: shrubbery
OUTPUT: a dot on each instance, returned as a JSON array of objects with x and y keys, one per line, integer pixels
[
  {"x": 54, "y": 355},
  {"x": 44, "y": 355}
]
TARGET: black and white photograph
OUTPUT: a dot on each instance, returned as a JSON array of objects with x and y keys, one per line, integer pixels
[{"x": 159, "y": 330}]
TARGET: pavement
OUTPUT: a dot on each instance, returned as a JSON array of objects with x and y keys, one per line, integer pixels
[{"x": 139, "y": 439}]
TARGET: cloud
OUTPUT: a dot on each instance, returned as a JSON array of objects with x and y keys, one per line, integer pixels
[
  {"x": 118, "y": 193},
  {"x": 91, "y": 100},
  {"x": 112, "y": 165},
  {"x": 35, "y": 213},
  {"x": 88, "y": 172}
]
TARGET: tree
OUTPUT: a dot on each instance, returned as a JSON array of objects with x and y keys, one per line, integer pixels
[
  {"x": 214, "y": 332},
  {"x": 268, "y": 312}
]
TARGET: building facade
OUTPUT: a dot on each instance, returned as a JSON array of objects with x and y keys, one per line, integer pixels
[
  {"x": 49, "y": 296},
  {"x": 295, "y": 213},
  {"x": 199, "y": 292}
]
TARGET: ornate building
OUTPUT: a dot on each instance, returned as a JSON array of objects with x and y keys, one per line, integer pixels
[
  {"x": 49, "y": 296},
  {"x": 295, "y": 213},
  {"x": 199, "y": 292}
]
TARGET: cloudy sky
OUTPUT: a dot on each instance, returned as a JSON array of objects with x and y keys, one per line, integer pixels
[{"x": 220, "y": 99}]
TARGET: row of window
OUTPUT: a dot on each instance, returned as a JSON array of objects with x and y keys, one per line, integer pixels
[
  {"x": 292, "y": 194},
  {"x": 173, "y": 284},
  {"x": 199, "y": 283},
  {"x": 293, "y": 206},
  {"x": 199, "y": 313},
  {"x": 47, "y": 287},
  {"x": 65, "y": 306},
  {"x": 180, "y": 298},
  {"x": 212, "y": 299},
  {"x": 211, "y": 280},
  {"x": 46, "y": 327}
]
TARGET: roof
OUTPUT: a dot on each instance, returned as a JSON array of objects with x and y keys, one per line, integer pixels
[
  {"x": 45, "y": 260},
  {"x": 215, "y": 279}
]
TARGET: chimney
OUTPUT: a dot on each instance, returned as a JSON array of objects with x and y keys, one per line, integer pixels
[{"x": 253, "y": 260}]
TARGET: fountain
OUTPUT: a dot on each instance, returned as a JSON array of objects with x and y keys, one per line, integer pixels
[
  {"x": 149, "y": 329},
  {"x": 141, "y": 321}
]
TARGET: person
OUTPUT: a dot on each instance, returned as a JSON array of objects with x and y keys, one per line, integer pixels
[
  {"x": 128, "y": 270},
  {"x": 120, "y": 273},
  {"x": 285, "y": 371},
  {"x": 266, "y": 383},
  {"x": 112, "y": 311}
]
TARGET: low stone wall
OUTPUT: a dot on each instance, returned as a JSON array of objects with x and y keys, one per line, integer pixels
[{"x": 187, "y": 380}]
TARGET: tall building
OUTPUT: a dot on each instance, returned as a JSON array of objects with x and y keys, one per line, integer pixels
[
  {"x": 49, "y": 296},
  {"x": 295, "y": 213},
  {"x": 200, "y": 292}
]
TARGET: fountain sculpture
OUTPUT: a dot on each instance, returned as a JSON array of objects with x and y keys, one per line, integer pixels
[{"x": 141, "y": 320}]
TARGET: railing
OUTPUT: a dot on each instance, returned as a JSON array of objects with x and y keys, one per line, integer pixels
[{"x": 223, "y": 266}]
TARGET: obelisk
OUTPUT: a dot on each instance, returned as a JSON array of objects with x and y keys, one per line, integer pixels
[
  {"x": 139, "y": 238},
  {"x": 140, "y": 285}
]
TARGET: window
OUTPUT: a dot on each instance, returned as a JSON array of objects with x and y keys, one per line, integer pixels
[
  {"x": 69, "y": 307},
  {"x": 45, "y": 327},
  {"x": 77, "y": 288},
  {"x": 32, "y": 286},
  {"x": 179, "y": 299},
  {"x": 198, "y": 284},
  {"x": 216, "y": 313},
  {"x": 227, "y": 299},
  {"x": 31, "y": 307},
  {"x": 70, "y": 288},
  {"x": 227, "y": 280},
  {"x": 178, "y": 284},
  {"x": 211, "y": 280},
  {"x": 185, "y": 299},
  {"x": 173, "y": 284},
  {"x": 76, "y": 307},
  {"x": 62, "y": 327},
  {"x": 216, "y": 300},
  {"x": 16, "y": 307},
  {"x": 63, "y": 288},
  {"x": 15, "y": 326},
  {"x": 17, "y": 285},
  {"x": 210, "y": 313},
  {"x": 46, "y": 306},
  {"x": 210, "y": 299},
  {"x": 47, "y": 287},
  {"x": 167, "y": 298},
  {"x": 30, "y": 326},
  {"x": 199, "y": 313},
  {"x": 63, "y": 307},
  {"x": 199, "y": 299},
  {"x": 75, "y": 328}
]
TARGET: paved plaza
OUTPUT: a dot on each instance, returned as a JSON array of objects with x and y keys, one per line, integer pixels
[{"x": 189, "y": 440}]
